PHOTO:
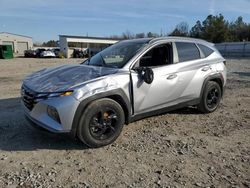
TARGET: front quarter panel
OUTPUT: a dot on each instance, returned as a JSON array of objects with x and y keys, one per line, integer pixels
[
  {"x": 117, "y": 84},
  {"x": 106, "y": 84}
]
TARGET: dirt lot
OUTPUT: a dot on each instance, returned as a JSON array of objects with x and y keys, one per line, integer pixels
[{"x": 180, "y": 149}]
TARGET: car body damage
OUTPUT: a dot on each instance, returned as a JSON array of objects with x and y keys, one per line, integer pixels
[
  {"x": 64, "y": 78},
  {"x": 127, "y": 81}
]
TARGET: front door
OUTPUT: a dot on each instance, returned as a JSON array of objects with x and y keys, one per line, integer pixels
[
  {"x": 164, "y": 88},
  {"x": 162, "y": 91}
]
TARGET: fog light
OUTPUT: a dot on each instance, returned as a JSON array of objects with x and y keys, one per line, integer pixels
[{"x": 52, "y": 112}]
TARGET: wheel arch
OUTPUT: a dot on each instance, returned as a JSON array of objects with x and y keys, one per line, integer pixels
[
  {"x": 219, "y": 81},
  {"x": 218, "y": 78},
  {"x": 117, "y": 95}
]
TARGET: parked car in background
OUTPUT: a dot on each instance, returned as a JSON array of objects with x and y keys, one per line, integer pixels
[
  {"x": 125, "y": 82},
  {"x": 29, "y": 53},
  {"x": 56, "y": 51},
  {"x": 47, "y": 54},
  {"x": 78, "y": 53},
  {"x": 39, "y": 51}
]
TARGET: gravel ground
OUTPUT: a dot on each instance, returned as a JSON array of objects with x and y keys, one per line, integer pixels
[{"x": 179, "y": 149}]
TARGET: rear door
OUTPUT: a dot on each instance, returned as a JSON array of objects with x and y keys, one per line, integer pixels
[{"x": 192, "y": 69}]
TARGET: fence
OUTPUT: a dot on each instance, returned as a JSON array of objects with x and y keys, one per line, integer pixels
[{"x": 234, "y": 49}]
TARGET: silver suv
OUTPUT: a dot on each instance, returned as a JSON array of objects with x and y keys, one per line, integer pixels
[{"x": 127, "y": 81}]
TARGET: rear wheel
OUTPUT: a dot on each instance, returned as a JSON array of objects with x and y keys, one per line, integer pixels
[
  {"x": 210, "y": 98},
  {"x": 101, "y": 123}
]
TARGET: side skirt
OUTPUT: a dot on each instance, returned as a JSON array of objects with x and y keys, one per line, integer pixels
[{"x": 164, "y": 110}]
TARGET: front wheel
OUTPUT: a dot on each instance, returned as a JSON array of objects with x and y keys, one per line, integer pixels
[
  {"x": 210, "y": 98},
  {"x": 101, "y": 123}
]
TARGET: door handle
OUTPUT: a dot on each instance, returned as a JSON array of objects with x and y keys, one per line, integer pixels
[
  {"x": 171, "y": 76},
  {"x": 206, "y": 68}
]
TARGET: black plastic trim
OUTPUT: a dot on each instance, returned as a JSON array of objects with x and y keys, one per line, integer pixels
[
  {"x": 164, "y": 110},
  {"x": 214, "y": 77}
]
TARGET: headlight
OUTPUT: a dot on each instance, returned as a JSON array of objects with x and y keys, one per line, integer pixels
[
  {"x": 61, "y": 94},
  {"x": 43, "y": 96}
]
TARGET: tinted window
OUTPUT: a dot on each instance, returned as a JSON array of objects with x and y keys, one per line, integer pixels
[
  {"x": 187, "y": 51},
  {"x": 206, "y": 50},
  {"x": 158, "y": 56}
]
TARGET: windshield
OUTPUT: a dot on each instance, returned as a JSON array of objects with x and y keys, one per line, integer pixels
[{"x": 117, "y": 55}]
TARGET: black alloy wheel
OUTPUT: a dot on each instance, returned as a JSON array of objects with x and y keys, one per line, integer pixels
[
  {"x": 211, "y": 97},
  {"x": 101, "y": 123}
]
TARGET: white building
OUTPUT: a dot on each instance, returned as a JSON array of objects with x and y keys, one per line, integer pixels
[
  {"x": 68, "y": 43},
  {"x": 19, "y": 42}
]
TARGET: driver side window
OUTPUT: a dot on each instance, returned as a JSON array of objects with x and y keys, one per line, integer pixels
[{"x": 158, "y": 56}]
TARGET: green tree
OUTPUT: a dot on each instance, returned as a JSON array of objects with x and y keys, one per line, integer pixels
[
  {"x": 50, "y": 43},
  {"x": 140, "y": 35},
  {"x": 215, "y": 29},
  {"x": 197, "y": 30},
  {"x": 180, "y": 30},
  {"x": 152, "y": 35},
  {"x": 239, "y": 30}
]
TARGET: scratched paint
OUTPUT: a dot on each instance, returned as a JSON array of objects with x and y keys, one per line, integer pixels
[{"x": 64, "y": 77}]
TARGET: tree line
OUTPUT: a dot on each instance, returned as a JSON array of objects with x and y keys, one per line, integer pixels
[
  {"x": 50, "y": 43},
  {"x": 214, "y": 29}
]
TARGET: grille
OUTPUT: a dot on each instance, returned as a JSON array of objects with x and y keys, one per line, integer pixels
[{"x": 28, "y": 97}]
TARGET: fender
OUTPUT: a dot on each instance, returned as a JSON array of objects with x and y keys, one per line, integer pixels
[
  {"x": 117, "y": 95},
  {"x": 217, "y": 78}
]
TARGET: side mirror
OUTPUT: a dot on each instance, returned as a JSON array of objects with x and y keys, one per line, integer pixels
[{"x": 146, "y": 74}]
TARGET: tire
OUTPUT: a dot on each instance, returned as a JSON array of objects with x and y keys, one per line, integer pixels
[
  {"x": 211, "y": 97},
  {"x": 101, "y": 123}
]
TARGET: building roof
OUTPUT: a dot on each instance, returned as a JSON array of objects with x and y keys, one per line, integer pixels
[
  {"x": 86, "y": 37},
  {"x": 15, "y": 34}
]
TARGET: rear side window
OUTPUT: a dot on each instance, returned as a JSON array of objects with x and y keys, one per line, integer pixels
[
  {"x": 206, "y": 50},
  {"x": 187, "y": 51}
]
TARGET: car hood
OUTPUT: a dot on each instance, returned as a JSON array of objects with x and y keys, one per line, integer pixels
[{"x": 64, "y": 77}]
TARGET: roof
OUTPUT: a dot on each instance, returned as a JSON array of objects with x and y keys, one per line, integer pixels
[
  {"x": 188, "y": 39},
  {"x": 151, "y": 40},
  {"x": 86, "y": 37},
  {"x": 15, "y": 34},
  {"x": 143, "y": 40}
]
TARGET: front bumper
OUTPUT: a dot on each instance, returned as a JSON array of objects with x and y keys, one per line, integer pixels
[
  {"x": 38, "y": 125},
  {"x": 66, "y": 108}
]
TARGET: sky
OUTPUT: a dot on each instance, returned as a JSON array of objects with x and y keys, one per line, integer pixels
[{"x": 44, "y": 20}]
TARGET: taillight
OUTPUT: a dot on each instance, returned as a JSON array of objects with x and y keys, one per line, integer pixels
[{"x": 225, "y": 62}]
